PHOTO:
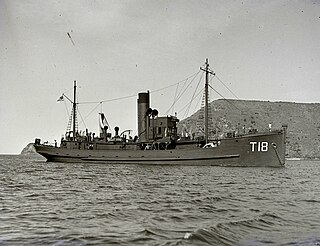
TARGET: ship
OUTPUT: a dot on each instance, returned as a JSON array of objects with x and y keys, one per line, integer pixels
[{"x": 158, "y": 143}]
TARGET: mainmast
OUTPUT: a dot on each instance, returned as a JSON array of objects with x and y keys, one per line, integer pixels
[
  {"x": 74, "y": 109},
  {"x": 206, "y": 94}
]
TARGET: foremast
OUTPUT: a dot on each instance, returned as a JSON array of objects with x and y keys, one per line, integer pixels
[
  {"x": 73, "y": 116},
  {"x": 74, "y": 106}
]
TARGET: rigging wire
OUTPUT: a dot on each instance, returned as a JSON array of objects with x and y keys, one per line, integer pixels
[
  {"x": 185, "y": 81},
  {"x": 93, "y": 110},
  {"x": 193, "y": 95},
  {"x": 163, "y": 88},
  {"x": 125, "y": 97},
  {"x": 195, "y": 74},
  {"x": 182, "y": 92},
  {"x": 177, "y": 93},
  {"x": 224, "y": 98},
  {"x": 67, "y": 111},
  {"x": 67, "y": 91},
  {"x": 82, "y": 122},
  {"x": 189, "y": 104},
  {"x": 175, "y": 96},
  {"x": 241, "y": 111},
  {"x": 109, "y": 100},
  {"x": 226, "y": 87}
]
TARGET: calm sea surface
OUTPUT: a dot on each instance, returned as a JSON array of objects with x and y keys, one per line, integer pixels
[{"x": 77, "y": 204}]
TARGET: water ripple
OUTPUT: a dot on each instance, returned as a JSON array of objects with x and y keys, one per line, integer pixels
[{"x": 77, "y": 204}]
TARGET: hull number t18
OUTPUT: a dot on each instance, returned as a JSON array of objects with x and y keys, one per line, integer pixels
[{"x": 259, "y": 146}]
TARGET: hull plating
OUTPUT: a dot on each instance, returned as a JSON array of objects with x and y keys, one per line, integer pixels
[{"x": 252, "y": 150}]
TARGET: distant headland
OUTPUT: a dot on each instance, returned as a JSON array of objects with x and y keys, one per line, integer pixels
[{"x": 29, "y": 150}]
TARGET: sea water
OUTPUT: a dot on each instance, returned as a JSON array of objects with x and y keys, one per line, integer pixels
[{"x": 44, "y": 203}]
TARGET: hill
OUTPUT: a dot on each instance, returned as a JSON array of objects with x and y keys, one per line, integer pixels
[
  {"x": 29, "y": 150},
  {"x": 242, "y": 115}
]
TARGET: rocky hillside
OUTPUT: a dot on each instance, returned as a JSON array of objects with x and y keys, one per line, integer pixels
[
  {"x": 240, "y": 115},
  {"x": 29, "y": 150}
]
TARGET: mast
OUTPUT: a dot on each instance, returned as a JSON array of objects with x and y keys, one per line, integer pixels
[
  {"x": 206, "y": 105},
  {"x": 74, "y": 110},
  {"x": 206, "y": 94}
]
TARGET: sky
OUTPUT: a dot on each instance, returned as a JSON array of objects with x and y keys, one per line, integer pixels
[{"x": 262, "y": 50}]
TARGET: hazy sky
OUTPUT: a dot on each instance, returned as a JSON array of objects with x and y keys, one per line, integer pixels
[{"x": 265, "y": 50}]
